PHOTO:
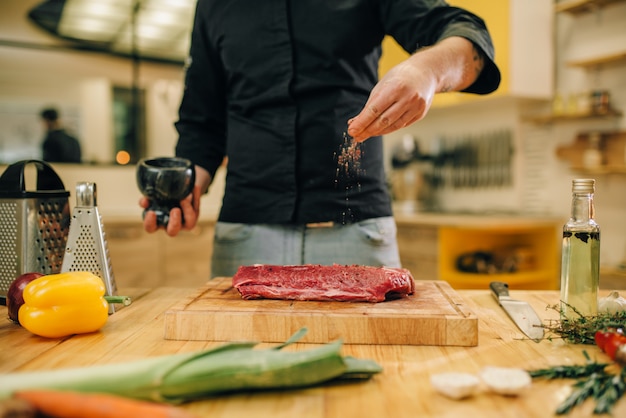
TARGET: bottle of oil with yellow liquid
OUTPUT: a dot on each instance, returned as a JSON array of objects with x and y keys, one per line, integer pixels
[{"x": 580, "y": 258}]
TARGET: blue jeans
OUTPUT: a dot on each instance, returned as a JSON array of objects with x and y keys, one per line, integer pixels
[{"x": 371, "y": 242}]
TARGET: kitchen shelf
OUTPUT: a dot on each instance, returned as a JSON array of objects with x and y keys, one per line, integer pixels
[
  {"x": 613, "y": 58},
  {"x": 612, "y": 147},
  {"x": 550, "y": 118},
  {"x": 606, "y": 169},
  {"x": 576, "y": 7}
]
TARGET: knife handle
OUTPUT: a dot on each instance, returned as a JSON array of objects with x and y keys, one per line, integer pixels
[{"x": 499, "y": 289}]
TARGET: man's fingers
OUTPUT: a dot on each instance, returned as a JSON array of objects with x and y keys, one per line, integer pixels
[
  {"x": 362, "y": 126},
  {"x": 175, "y": 222},
  {"x": 150, "y": 222},
  {"x": 196, "y": 195},
  {"x": 189, "y": 213},
  {"x": 387, "y": 121}
]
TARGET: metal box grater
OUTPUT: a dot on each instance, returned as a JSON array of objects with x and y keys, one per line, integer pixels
[
  {"x": 87, "y": 248},
  {"x": 34, "y": 225}
]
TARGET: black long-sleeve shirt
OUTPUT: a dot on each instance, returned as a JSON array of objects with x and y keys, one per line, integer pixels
[{"x": 271, "y": 84}]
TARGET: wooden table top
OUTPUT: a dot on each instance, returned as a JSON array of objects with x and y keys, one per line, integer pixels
[{"x": 402, "y": 390}]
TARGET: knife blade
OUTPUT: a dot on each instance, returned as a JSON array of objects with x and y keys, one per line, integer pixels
[{"x": 522, "y": 314}]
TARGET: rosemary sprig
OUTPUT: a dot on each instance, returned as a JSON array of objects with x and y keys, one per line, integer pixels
[
  {"x": 593, "y": 382},
  {"x": 571, "y": 371},
  {"x": 584, "y": 389},
  {"x": 615, "y": 386}
]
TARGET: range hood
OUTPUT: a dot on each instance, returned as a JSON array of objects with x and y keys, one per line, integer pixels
[{"x": 149, "y": 29}]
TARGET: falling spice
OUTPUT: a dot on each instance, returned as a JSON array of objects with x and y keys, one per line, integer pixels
[
  {"x": 349, "y": 158},
  {"x": 348, "y": 170}
]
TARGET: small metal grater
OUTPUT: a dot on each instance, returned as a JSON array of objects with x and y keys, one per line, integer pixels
[
  {"x": 34, "y": 224},
  {"x": 87, "y": 248}
]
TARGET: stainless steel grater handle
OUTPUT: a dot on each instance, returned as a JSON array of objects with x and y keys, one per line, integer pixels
[{"x": 85, "y": 194}]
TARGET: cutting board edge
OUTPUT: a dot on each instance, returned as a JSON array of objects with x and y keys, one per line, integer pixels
[
  {"x": 462, "y": 332},
  {"x": 321, "y": 329}
]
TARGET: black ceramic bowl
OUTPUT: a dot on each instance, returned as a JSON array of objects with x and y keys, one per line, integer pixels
[{"x": 165, "y": 181}]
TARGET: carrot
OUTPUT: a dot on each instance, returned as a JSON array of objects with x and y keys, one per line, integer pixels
[{"x": 70, "y": 404}]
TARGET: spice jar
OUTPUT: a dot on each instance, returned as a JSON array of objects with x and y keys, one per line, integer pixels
[
  {"x": 592, "y": 156},
  {"x": 600, "y": 101}
]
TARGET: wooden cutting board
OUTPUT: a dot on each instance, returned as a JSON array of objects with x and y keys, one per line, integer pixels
[{"x": 434, "y": 315}]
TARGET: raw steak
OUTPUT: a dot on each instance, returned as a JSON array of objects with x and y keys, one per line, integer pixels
[{"x": 323, "y": 283}]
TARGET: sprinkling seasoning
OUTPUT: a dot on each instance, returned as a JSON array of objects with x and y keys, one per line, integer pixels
[
  {"x": 348, "y": 170},
  {"x": 349, "y": 158}
]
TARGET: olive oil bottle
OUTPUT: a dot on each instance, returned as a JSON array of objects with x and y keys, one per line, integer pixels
[{"x": 580, "y": 258}]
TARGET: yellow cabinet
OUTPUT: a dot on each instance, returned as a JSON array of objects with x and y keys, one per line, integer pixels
[
  {"x": 522, "y": 37},
  {"x": 533, "y": 248},
  {"x": 525, "y": 251}
]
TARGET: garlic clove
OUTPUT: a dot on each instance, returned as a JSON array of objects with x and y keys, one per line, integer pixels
[
  {"x": 505, "y": 380},
  {"x": 612, "y": 303},
  {"x": 455, "y": 385}
]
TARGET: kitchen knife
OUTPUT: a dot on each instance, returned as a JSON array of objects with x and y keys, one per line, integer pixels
[{"x": 519, "y": 311}]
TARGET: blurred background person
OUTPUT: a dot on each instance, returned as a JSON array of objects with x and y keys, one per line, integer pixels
[{"x": 58, "y": 146}]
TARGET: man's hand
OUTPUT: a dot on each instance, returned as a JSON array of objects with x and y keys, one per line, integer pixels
[
  {"x": 404, "y": 95},
  {"x": 401, "y": 97},
  {"x": 189, "y": 208}
]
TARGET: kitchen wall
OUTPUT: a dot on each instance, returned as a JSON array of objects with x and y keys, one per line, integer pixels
[{"x": 540, "y": 184}]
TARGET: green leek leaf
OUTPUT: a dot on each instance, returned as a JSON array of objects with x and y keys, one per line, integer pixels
[{"x": 188, "y": 376}]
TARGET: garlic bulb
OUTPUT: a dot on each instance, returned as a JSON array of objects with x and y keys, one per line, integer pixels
[{"x": 612, "y": 303}]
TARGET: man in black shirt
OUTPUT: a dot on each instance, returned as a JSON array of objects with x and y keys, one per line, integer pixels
[
  {"x": 58, "y": 146},
  {"x": 288, "y": 91}
]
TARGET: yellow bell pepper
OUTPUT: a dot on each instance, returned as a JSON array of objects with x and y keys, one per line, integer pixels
[{"x": 58, "y": 305}]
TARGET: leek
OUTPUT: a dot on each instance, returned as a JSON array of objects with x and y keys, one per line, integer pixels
[{"x": 184, "y": 377}]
